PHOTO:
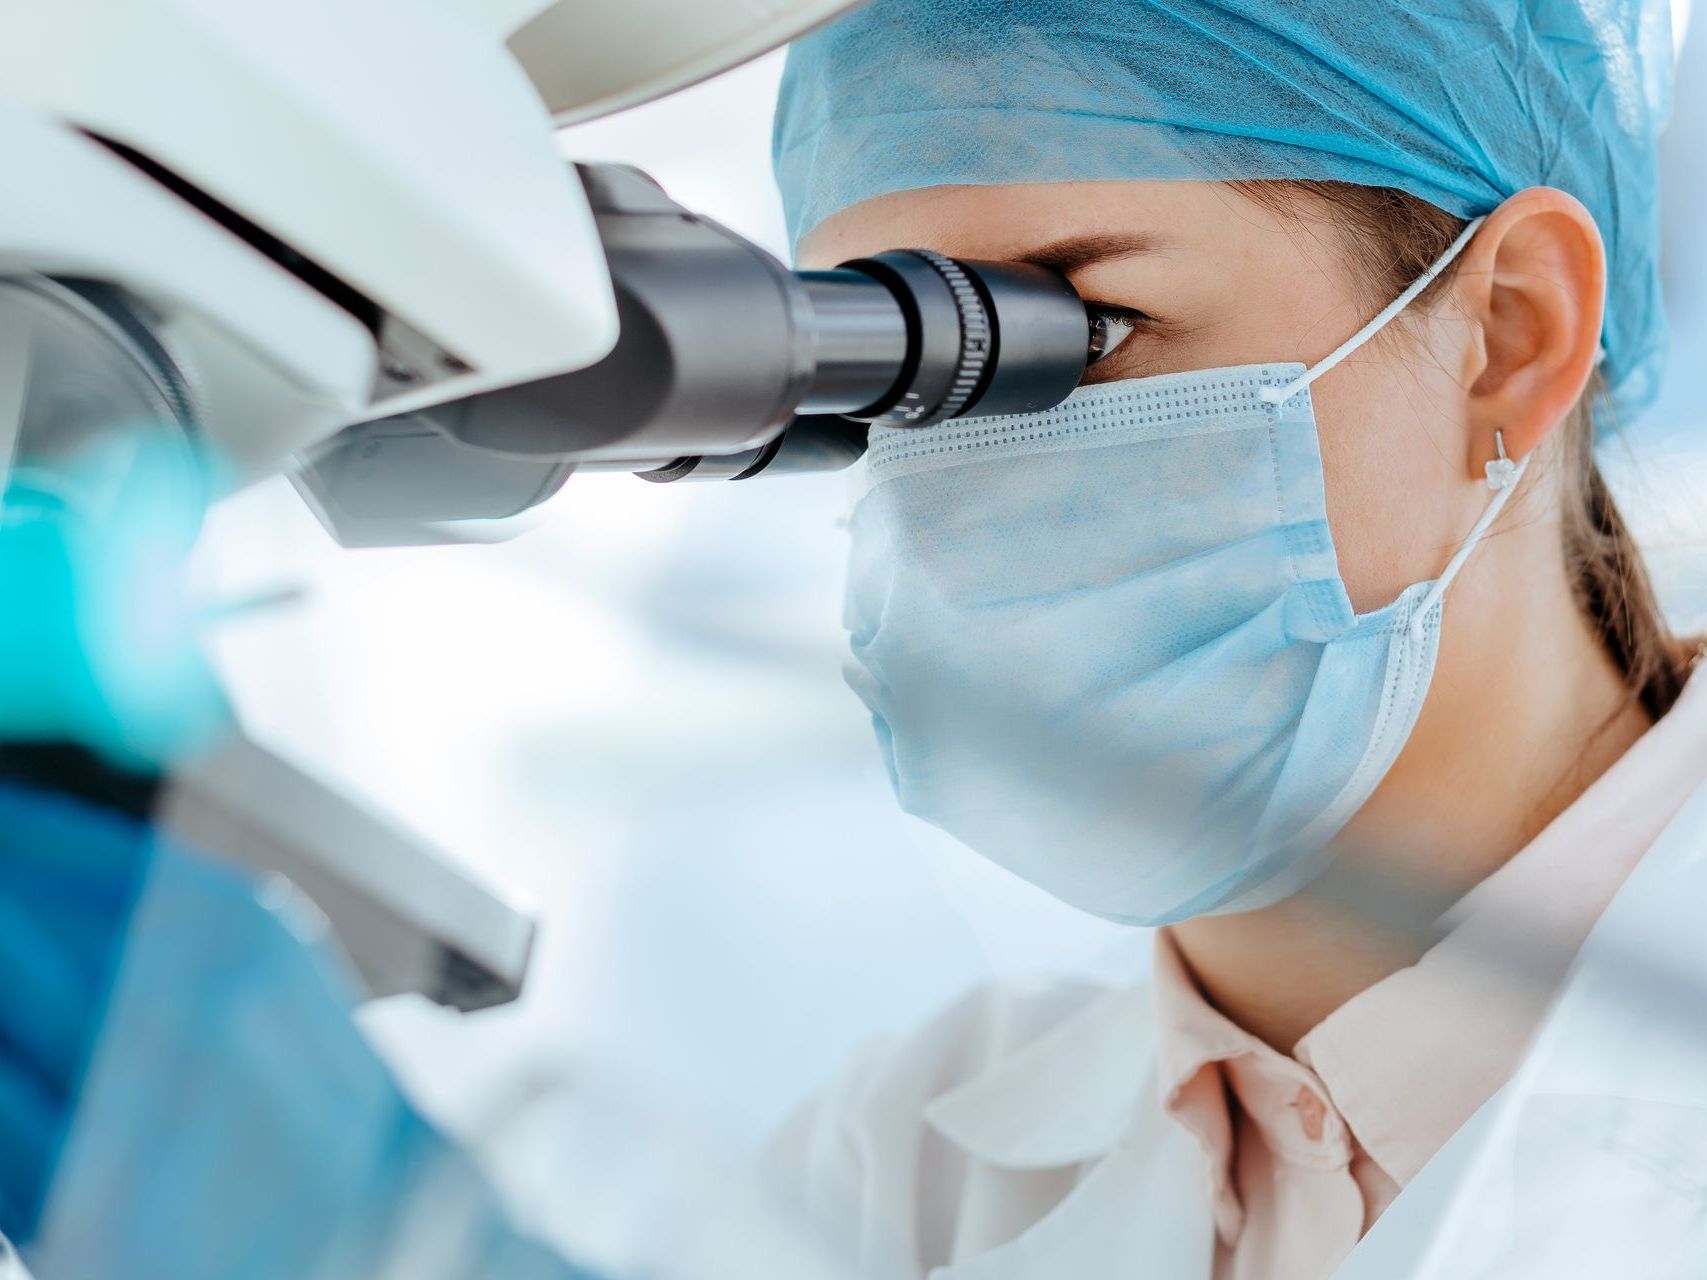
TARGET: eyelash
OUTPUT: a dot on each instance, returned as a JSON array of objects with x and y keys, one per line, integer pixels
[{"x": 1112, "y": 324}]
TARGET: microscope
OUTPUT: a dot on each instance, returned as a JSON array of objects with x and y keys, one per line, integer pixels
[{"x": 337, "y": 241}]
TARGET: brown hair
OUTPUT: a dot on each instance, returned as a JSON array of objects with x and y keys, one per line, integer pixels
[{"x": 1396, "y": 237}]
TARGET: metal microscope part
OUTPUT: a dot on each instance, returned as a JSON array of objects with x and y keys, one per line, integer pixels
[
  {"x": 79, "y": 366},
  {"x": 723, "y": 354},
  {"x": 408, "y": 919}
]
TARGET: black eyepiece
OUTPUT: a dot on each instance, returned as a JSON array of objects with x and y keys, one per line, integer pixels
[
  {"x": 974, "y": 338},
  {"x": 911, "y": 337}
]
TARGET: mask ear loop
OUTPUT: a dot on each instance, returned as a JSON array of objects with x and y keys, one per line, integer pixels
[
  {"x": 1503, "y": 473},
  {"x": 1503, "y": 480},
  {"x": 1281, "y": 394}
]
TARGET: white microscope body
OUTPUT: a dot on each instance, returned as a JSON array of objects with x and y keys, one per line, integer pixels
[
  {"x": 270, "y": 220},
  {"x": 334, "y": 208}
]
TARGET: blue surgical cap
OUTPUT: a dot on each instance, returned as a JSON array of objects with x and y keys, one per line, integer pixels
[{"x": 1459, "y": 102}]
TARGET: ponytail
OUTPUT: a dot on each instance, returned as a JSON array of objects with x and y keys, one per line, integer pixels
[{"x": 1609, "y": 578}]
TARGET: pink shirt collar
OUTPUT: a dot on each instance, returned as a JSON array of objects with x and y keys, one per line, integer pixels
[{"x": 1399, "y": 1067}]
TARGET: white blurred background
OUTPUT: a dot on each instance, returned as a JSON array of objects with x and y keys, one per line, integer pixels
[{"x": 634, "y": 717}]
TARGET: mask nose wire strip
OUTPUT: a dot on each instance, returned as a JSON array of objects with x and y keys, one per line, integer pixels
[
  {"x": 1281, "y": 394},
  {"x": 1475, "y": 535}
]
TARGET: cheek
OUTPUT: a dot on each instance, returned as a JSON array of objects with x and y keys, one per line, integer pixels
[{"x": 1392, "y": 456}]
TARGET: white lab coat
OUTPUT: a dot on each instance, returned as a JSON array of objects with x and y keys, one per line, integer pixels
[{"x": 1022, "y": 1137}]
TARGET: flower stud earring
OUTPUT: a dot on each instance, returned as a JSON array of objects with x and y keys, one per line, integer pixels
[{"x": 1501, "y": 471}]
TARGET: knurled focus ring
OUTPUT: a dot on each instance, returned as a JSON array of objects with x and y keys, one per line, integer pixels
[{"x": 974, "y": 337}]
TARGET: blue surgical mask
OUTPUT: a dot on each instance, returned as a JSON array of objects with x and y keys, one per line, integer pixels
[{"x": 1108, "y": 645}]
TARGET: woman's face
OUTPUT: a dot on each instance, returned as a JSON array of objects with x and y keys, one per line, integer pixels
[{"x": 1221, "y": 280}]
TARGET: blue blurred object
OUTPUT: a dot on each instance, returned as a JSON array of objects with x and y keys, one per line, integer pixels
[
  {"x": 69, "y": 875},
  {"x": 182, "y": 1090},
  {"x": 1461, "y": 103},
  {"x": 231, "y": 1122},
  {"x": 98, "y": 640}
]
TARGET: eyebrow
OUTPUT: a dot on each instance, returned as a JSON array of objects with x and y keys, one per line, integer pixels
[{"x": 1075, "y": 253}]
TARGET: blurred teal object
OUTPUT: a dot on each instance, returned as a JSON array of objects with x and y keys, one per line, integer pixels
[
  {"x": 69, "y": 875},
  {"x": 1461, "y": 104},
  {"x": 233, "y": 1123},
  {"x": 98, "y": 640}
]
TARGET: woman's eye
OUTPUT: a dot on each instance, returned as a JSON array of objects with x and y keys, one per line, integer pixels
[{"x": 1110, "y": 326}]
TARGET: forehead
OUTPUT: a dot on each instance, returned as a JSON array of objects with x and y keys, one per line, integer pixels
[{"x": 1014, "y": 220}]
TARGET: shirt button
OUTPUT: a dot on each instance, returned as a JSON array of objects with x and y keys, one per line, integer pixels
[{"x": 1311, "y": 1113}]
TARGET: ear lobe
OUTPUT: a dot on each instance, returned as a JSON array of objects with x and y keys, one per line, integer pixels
[{"x": 1533, "y": 286}]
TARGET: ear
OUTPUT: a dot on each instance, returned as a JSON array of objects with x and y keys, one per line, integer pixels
[{"x": 1532, "y": 285}]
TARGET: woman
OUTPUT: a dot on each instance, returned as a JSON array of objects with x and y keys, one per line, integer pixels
[{"x": 1309, "y": 619}]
